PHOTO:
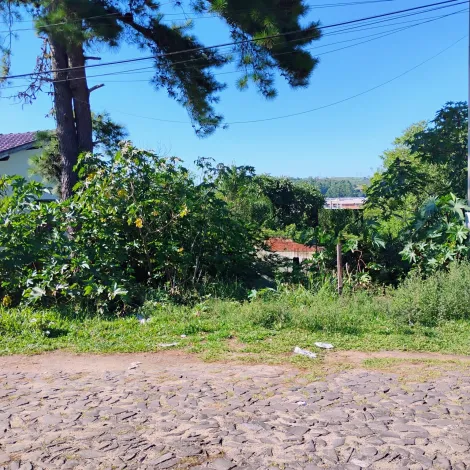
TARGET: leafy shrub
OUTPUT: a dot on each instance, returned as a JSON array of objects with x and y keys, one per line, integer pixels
[
  {"x": 438, "y": 235},
  {"x": 442, "y": 296},
  {"x": 30, "y": 321},
  {"x": 31, "y": 238},
  {"x": 271, "y": 315},
  {"x": 136, "y": 221}
]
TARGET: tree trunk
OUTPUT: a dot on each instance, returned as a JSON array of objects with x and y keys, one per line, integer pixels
[
  {"x": 81, "y": 98},
  {"x": 66, "y": 131}
]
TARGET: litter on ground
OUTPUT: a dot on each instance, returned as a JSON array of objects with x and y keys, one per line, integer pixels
[
  {"x": 324, "y": 345},
  {"x": 304, "y": 352}
]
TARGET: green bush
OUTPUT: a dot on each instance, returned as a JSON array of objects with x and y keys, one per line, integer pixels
[
  {"x": 442, "y": 296},
  {"x": 135, "y": 222},
  {"x": 271, "y": 315},
  {"x": 31, "y": 321},
  {"x": 296, "y": 308}
]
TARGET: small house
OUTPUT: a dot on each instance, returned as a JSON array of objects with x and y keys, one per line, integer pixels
[
  {"x": 16, "y": 151},
  {"x": 286, "y": 248}
]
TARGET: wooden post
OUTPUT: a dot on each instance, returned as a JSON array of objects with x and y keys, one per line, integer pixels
[{"x": 339, "y": 267}]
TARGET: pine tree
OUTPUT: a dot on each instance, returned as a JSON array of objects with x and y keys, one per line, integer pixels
[{"x": 69, "y": 27}]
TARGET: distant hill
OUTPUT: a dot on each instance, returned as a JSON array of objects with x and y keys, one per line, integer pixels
[{"x": 337, "y": 186}]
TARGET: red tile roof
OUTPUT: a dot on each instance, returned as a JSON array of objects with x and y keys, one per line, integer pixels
[
  {"x": 282, "y": 244},
  {"x": 11, "y": 141}
]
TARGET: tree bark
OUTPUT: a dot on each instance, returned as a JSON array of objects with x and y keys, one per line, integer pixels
[
  {"x": 81, "y": 98},
  {"x": 66, "y": 131}
]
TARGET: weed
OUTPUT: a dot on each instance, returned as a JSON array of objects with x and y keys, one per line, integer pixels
[{"x": 265, "y": 329}]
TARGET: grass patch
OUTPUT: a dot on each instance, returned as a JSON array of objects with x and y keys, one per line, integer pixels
[
  {"x": 430, "y": 315},
  {"x": 262, "y": 330}
]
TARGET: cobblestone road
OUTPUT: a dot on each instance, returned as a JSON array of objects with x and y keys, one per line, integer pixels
[{"x": 215, "y": 416}]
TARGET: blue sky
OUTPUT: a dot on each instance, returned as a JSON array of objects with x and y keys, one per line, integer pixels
[{"x": 342, "y": 140}]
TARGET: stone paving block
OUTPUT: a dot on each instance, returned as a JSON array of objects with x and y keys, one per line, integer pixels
[{"x": 239, "y": 417}]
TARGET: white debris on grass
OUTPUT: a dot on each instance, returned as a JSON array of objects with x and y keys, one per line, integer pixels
[
  {"x": 167, "y": 345},
  {"x": 304, "y": 352},
  {"x": 142, "y": 320},
  {"x": 324, "y": 345},
  {"x": 183, "y": 336}
]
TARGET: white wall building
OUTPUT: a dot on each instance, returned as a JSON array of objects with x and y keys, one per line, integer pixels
[
  {"x": 352, "y": 203},
  {"x": 16, "y": 151}
]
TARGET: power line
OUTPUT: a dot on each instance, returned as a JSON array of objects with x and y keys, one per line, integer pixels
[
  {"x": 314, "y": 109},
  {"x": 203, "y": 48},
  {"x": 388, "y": 21},
  {"x": 375, "y": 36},
  {"x": 354, "y": 96},
  {"x": 388, "y": 33},
  {"x": 311, "y": 6},
  {"x": 314, "y": 6},
  {"x": 97, "y": 16},
  {"x": 61, "y": 23},
  {"x": 363, "y": 27},
  {"x": 252, "y": 40}
]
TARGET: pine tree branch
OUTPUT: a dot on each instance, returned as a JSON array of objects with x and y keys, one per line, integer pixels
[{"x": 96, "y": 87}]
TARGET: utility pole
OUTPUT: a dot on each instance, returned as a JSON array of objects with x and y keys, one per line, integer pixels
[
  {"x": 339, "y": 266},
  {"x": 467, "y": 214},
  {"x": 468, "y": 158}
]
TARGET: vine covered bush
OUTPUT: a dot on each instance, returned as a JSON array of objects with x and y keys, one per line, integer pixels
[{"x": 136, "y": 222}]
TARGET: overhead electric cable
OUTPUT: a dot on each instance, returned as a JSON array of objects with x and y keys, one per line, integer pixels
[{"x": 203, "y": 48}]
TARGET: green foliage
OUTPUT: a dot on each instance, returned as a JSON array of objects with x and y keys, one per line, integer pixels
[
  {"x": 28, "y": 236},
  {"x": 412, "y": 200},
  {"x": 396, "y": 190},
  {"x": 443, "y": 296},
  {"x": 136, "y": 221},
  {"x": 362, "y": 254},
  {"x": 438, "y": 235},
  {"x": 444, "y": 143},
  {"x": 140, "y": 228},
  {"x": 47, "y": 164},
  {"x": 390, "y": 191},
  {"x": 272, "y": 315},
  {"x": 337, "y": 187},
  {"x": 427, "y": 160},
  {"x": 297, "y": 204},
  {"x": 338, "y": 220},
  {"x": 274, "y": 204},
  {"x": 106, "y": 136},
  {"x": 142, "y": 24},
  {"x": 238, "y": 187},
  {"x": 422, "y": 315}
]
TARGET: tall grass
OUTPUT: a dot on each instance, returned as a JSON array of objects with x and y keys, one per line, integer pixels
[{"x": 441, "y": 298}]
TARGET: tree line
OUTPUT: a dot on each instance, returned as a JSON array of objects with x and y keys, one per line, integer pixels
[
  {"x": 338, "y": 187},
  {"x": 138, "y": 223}
]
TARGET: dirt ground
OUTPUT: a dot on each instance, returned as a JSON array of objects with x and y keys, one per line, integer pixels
[
  {"x": 59, "y": 360},
  {"x": 386, "y": 410}
]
